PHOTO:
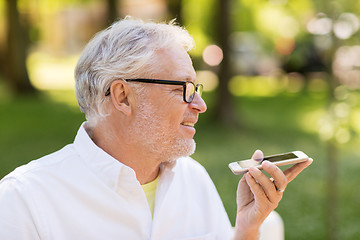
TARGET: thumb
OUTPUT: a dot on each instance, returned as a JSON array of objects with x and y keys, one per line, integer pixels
[{"x": 258, "y": 155}]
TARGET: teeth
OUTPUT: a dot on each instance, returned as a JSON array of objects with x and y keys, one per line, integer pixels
[{"x": 188, "y": 124}]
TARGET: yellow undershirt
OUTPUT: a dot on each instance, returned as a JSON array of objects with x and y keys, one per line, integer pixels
[{"x": 150, "y": 190}]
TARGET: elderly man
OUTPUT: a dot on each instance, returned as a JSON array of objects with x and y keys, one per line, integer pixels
[{"x": 128, "y": 174}]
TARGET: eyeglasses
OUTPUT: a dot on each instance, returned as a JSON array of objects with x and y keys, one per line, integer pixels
[{"x": 189, "y": 88}]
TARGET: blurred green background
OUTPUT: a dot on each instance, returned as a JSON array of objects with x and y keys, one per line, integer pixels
[{"x": 279, "y": 75}]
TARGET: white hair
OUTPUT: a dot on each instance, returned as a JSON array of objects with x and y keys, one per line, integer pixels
[{"x": 124, "y": 50}]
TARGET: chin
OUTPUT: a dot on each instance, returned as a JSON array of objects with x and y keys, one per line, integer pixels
[
  {"x": 190, "y": 148},
  {"x": 182, "y": 148}
]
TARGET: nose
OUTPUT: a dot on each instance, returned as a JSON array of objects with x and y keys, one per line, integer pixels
[{"x": 198, "y": 104}]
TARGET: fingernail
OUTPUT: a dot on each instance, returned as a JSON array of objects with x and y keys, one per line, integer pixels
[
  {"x": 258, "y": 155},
  {"x": 253, "y": 170},
  {"x": 267, "y": 164}
]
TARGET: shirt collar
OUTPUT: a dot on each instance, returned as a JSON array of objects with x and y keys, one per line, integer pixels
[{"x": 107, "y": 168}]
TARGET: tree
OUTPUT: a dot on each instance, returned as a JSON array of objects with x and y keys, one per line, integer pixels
[
  {"x": 112, "y": 14},
  {"x": 16, "y": 51},
  {"x": 175, "y": 10},
  {"x": 224, "y": 110}
]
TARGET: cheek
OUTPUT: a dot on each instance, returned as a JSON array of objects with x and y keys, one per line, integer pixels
[
  {"x": 169, "y": 109},
  {"x": 174, "y": 116}
]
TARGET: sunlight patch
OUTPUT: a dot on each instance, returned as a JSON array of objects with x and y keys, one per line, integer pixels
[{"x": 48, "y": 72}]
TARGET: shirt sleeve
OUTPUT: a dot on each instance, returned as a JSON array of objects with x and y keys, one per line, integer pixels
[{"x": 16, "y": 219}]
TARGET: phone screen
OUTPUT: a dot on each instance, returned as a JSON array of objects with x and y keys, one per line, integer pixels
[
  {"x": 275, "y": 158},
  {"x": 280, "y": 157}
]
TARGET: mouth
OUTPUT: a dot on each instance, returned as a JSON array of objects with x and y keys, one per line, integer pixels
[{"x": 189, "y": 124}]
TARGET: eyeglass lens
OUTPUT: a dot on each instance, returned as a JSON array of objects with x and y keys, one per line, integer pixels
[{"x": 190, "y": 91}]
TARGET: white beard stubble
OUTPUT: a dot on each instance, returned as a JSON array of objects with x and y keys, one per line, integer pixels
[{"x": 148, "y": 132}]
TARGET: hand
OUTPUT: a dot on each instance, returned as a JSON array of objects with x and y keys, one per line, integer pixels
[{"x": 258, "y": 195}]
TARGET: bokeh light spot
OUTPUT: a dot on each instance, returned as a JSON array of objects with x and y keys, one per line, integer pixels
[
  {"x": 212, "y": 55},
  {"x": 208, "y": 79},
  {"x": 346, "y": 25},
  {"x": 320, "y": 25}
]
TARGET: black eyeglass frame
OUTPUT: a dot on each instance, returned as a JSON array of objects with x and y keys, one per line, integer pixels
[{"x": 198, "y": 87}]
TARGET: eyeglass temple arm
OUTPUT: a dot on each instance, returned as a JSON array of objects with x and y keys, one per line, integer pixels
[{"x": 145, "y": 80}]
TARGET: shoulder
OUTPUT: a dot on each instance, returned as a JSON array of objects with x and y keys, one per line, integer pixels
[
  {"x": 35, "y": 168},
  {"x": 190, "y": 165},
  {"x": 193, "y": 172}
]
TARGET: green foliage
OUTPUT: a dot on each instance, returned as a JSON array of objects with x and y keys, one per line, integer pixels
[
  {"x": 265, "y": 17},
  {"x": 199, "y": 20}
]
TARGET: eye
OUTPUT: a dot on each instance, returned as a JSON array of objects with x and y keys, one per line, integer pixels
[{"x": 180, "y": 89}]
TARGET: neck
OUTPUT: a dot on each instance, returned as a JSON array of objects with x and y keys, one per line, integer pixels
[{"x": 146, "y": 166}]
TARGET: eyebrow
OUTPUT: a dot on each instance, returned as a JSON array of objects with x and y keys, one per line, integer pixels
[{"x": 189, "y": 78}]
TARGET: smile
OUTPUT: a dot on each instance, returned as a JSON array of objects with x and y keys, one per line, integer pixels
[{"x": 188, "y": 124}]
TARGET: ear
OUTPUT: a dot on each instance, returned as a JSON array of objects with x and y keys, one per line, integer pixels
[{"x": 119, "y": 96}]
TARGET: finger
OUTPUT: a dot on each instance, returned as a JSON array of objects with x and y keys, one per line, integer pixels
[
  {"x": 292, "y": 172},
  {"x": 258, "y": 155},
  {"x": 256, "y": 189},
  {"x": 280, "y": 180},
  {"x": 244, "y": 194},
  {"x": 266, "y": 184},
  {"x": 277, "y": 189},
  {"x": 243, "y": 186}
]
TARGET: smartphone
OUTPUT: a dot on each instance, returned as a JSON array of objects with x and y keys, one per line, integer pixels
[{"x": 282, "y": 159}]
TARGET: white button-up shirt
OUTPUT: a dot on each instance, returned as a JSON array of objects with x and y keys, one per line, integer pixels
[{"x": 81, "y": 192}]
